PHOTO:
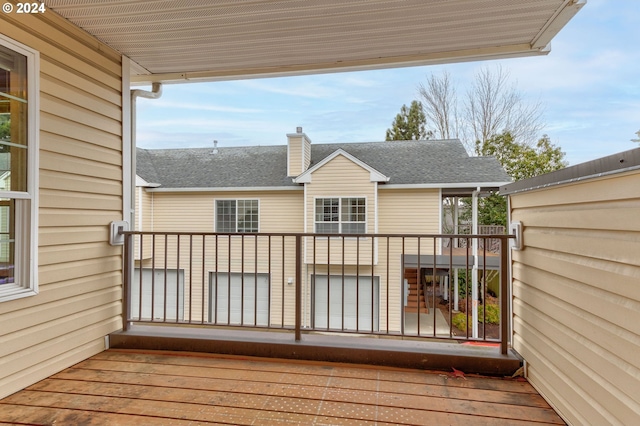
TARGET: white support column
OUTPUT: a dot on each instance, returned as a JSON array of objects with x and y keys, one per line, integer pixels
[
  {"x": 474, "y": 272},
  {"x": 446, "y": 287},
  {"x": 456, "y": 291},
  {"x": 455, "y": 220}
]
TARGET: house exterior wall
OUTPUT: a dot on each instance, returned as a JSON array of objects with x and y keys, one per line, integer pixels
[
  {"x": 80, "y": 166},
  {"x": 341, "y": 177},
  {"x": 279, "y": 212},
  {"x": 404, "y": 211},
  {"x": 143, "y": 218},
  {"x": 576, "y": 296}
]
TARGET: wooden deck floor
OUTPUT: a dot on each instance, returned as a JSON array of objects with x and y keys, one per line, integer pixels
[{"x": 147, "y": 388}]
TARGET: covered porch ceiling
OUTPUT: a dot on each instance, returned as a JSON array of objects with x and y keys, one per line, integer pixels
[{"x": 203, "y": 40}]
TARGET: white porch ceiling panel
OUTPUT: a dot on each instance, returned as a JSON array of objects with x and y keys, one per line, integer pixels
[{"x": 177, "y": 40}]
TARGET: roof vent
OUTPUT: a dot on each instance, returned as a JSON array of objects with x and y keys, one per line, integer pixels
[
  {"x": 215, "y": 147},
  {"x": 298, "y": 129}
]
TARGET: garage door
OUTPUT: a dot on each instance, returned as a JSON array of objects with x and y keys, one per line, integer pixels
[
  {"x": 328, "y": 303},
  {"x": 153, "y": 289},
  {"x": 229, "y": 304}
]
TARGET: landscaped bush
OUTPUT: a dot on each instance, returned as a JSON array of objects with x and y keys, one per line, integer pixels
[{"x": 493, "y": 316}]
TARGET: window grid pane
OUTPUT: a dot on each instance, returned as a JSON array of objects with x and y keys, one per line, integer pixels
[
  {"x": 247, "y": 215},
  {"x": 335, "y": 215},
  {"x": 237, "y": 216},
  {"x": 226, "y": 216},
  {"x": 15, "y": 215}
]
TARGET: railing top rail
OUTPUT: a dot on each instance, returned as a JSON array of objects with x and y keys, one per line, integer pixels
[{"x": 311, "y": 234}]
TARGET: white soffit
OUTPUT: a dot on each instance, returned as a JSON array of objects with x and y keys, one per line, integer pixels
[{"x": 178, "y": 40}]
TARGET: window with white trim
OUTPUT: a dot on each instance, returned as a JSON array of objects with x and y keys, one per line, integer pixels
[
  {"x": 346, "y": 215},
  {"x": 237, "y": 215},
  {"x": 18, "y": 149}
]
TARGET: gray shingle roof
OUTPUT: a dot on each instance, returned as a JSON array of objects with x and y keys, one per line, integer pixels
[{"x": 405, "y": 162}]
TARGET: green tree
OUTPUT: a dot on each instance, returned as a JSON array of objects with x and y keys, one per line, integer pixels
[
  {"x": 520, "y": 161},
  {"x": 409, "y": 124}
]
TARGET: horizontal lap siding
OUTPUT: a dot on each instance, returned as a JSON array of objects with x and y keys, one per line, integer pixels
[
  {"x": 279, "y": 211},
  {"x": 340, "y": 177},
  {"x": 80, "y": 194},
  {"x": 404, "y": 211},
  {"x": 576, "y": 291}
]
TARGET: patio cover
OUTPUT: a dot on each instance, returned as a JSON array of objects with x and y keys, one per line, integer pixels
[{"x": 197, "y": 40}]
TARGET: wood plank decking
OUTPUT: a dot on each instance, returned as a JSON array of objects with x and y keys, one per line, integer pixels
[{"x": 148, "y": 388}]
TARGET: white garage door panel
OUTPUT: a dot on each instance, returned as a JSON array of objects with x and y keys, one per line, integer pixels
[
  {"x": 250, "y": 307},
  {"x": 362, "y": 288},
  {"x": 153, "y": 288}
]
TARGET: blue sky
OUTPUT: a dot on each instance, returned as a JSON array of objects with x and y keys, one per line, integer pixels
[{"x": 589, "y": 85}]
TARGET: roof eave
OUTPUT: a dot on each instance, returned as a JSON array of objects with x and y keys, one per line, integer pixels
[
  {"x": 468, "y": 55},
  {"x": 229, "y": 189}
]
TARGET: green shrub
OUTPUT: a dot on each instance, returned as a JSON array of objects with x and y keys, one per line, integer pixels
[{"x": 493, "y": 316}]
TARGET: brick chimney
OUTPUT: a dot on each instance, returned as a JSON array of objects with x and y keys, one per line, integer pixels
[{"x": 298, "y": 152}]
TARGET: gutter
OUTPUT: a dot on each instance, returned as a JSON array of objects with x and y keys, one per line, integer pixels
[{"x": 621, "y": 162}]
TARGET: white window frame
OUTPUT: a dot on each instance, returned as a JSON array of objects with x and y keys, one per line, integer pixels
[
  {"x": 215, "y": 214},
  {"x": 26, "y": 215},
  {"x": 340, "y": 222}
]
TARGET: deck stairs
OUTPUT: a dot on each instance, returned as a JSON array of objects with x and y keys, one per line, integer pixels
[{"x": 416, "y": 300}]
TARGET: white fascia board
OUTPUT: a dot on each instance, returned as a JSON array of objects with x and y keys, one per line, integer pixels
[
  {"x": 374, "y": 175},
  {"x": 230, "y": 189},
  {"x": 443, "y": 185},
  {"x": 141, "y": 182},
  {"x": 438, "y": 58},
  {"x": 553, "y": 26}
]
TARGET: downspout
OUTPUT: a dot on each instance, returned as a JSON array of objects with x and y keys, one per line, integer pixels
[
  {"x": 474, "y": 272},
  {"x": 155, "y": 93}
]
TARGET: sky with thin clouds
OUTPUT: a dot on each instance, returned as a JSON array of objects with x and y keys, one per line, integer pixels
[{"x": 589, "y": 86}]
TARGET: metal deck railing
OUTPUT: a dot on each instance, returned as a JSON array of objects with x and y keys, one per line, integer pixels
[{"x": 323, "y": 283}]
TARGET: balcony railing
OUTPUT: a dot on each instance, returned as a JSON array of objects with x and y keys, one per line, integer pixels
[
  {"x": 397, "y": 286},
  {"x": 492, "y": 244}
]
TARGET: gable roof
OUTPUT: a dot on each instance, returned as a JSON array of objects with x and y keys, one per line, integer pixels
[
  {"x": 375, "y": 175},
  {"x": 437, "y": 163}
]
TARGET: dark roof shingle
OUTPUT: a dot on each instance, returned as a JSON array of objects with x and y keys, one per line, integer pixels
[{"x": 405, "y": 162}]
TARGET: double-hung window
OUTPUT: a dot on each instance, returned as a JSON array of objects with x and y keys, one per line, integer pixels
[
  {"x": 18, "y": 163},
  {"x": 346, "y": 215},
  {"x": 237, "y": 215}
]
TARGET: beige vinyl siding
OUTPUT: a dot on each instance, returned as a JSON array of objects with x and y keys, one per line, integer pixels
[
  {"x": 340, "y": 177},
  {"x": 79, "y": 300},
  {"x": 306, "y": 157},
  {"x": 404, "y": 211},
  {"x": 409, "y": 211},
  {"x": 295, "y": 156},
  {"x": 279, "y": 211},
  {"x": 576, "y": 298},
  {"x": 146, "y": 207},
  {"x": 143, "y": 219}
]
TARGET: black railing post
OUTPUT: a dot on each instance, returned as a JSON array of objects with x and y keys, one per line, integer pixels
[
  {"x": 126, "y": 284},
  {"x": 298, "y": 258},
  {"x": 504, "y": 302}
]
